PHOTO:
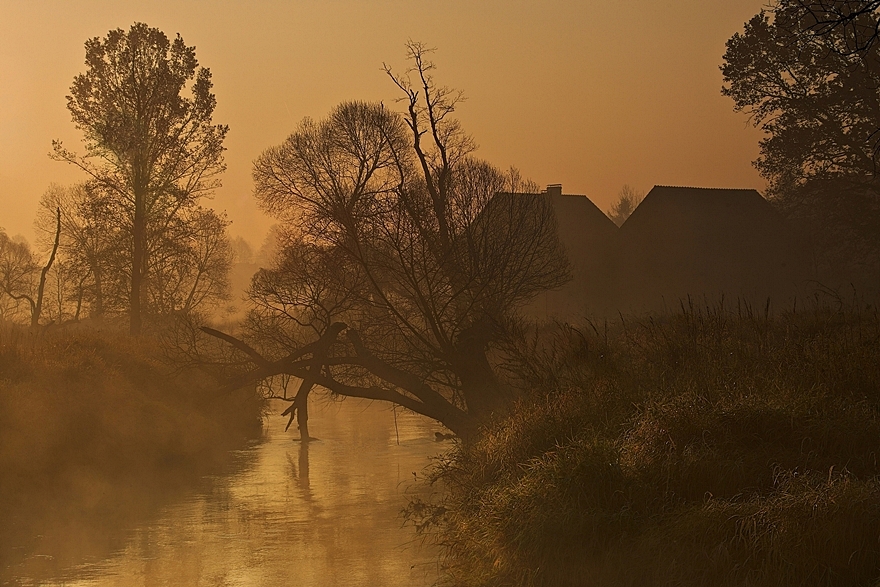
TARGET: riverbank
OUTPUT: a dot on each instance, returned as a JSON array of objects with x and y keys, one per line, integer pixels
[
  {"x": 94, "y": 425},
  {"x": 706, "y": 447}
]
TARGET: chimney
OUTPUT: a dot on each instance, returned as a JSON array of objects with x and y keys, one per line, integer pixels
[{"x": 554, "y": 189}]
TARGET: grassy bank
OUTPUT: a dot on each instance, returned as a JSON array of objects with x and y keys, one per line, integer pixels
[
  {"x": 702, "y": 448},
  {"x": 95, "y": 426}
]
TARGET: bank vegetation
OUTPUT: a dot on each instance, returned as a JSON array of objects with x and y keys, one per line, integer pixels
[{"x": 711, "y": 446}]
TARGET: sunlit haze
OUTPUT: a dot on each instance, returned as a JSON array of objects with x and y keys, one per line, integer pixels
[{"x": 590, "y": 94}]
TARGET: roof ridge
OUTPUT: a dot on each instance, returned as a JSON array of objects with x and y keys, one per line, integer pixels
[
  {"x": 687, "y": 187},
  {"x": 545, "y": 193}
]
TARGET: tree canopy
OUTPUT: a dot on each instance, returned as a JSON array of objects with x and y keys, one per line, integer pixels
[
  {"x": 145, "y": 108},
  {"x": 628, "y": 199},
  {"x": 819, "y": 105}
]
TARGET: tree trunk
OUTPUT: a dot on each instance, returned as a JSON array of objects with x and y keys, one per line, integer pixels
[
  {"x": 426, "y": 401},
  {"x": 99, "y": 292},
  {"x": 483, "y": 393},
  {"x": 37, "y": 308},
  {"x": 480, "y": 387},
  {"x": 302, "y": 418},
  {"x": 137, "y": 260}
]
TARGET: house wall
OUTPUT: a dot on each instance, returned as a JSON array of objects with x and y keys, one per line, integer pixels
[{"x": 679, "y": 243}]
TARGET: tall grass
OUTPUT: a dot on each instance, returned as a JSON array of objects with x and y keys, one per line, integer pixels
[{"x": 704, "y": 447}]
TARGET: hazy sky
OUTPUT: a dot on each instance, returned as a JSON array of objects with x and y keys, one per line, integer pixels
[{"x": 588, "y": 93}]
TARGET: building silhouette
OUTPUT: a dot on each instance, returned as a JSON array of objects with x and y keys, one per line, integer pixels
[{"x": 681, "y": 244}]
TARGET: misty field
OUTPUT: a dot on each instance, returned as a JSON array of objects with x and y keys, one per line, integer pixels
[{"x": 704, "y": 447}]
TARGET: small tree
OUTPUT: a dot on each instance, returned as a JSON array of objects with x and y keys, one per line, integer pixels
[
  {"x": 149, "y": 138},
  {"x": 190, "y": 264},
  {"x": 18, "y": 271},
  {"x": 91, "y": 242},
  {"x": 628, "y": 200}
]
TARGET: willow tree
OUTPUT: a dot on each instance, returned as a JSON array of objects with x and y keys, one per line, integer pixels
[
  {"x": 145, "y": 108},
  {"x": 404, "y": 259}
]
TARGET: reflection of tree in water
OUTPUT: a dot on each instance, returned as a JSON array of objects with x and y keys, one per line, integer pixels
[
  {"x": 289, "y": 513},
  {"x": 300, "y": 470}
]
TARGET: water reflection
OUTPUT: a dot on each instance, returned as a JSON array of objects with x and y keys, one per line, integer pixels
[{"x": 323, "y": 513}]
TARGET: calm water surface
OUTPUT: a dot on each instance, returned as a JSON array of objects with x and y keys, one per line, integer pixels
[{"x": 326, "y": 513}]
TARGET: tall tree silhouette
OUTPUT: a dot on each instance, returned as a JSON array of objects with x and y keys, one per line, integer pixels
[
  {"x": 819, "y": 105},
  {"x": 149, "y": 136}
]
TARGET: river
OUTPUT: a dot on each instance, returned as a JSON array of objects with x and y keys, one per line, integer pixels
[{"x": 325, "y": 513}]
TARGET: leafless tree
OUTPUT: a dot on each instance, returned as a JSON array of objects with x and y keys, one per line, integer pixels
[
  {"x": 189, "y": 263},
  {"x": 402, "y": 264},
  {"x": 18, "y": 272},
  {"x": 91, "y": 238},
  {"x": 188, "y": 253}
]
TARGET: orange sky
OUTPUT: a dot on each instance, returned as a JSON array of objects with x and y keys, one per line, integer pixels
[{"x": 591, "y": 94}]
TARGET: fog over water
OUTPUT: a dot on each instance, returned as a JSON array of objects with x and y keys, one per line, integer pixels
[{"x": 326, "y": 513}]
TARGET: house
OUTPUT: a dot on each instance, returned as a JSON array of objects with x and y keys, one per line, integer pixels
[
  {"x": 679, "y": 243},
  {"x": 586, "y": 234},
  {"x": 704, "y": 243}
]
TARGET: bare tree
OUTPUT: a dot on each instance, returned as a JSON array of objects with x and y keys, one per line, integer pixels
[
  {"x": 18, "y": 271},
  {"x": 401, "y": 266},
  {"x": 190, "y": 263},
  {"x": 90, "y": 243},
  {"x": 189, "y": 257}
]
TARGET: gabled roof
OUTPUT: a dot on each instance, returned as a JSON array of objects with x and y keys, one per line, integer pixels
[
  {"x": 682, "y": 241},
  {"x": 672, "y": 208},
  {"x": 579, "y": 220}
]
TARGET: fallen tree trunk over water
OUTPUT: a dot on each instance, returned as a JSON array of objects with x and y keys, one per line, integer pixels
[{"x": 312, "y": 364}]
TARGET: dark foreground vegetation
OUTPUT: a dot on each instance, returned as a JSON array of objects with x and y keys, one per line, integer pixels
[
  {"x": 706, "y": 447},
  {"x": 96, "y": 429}
]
